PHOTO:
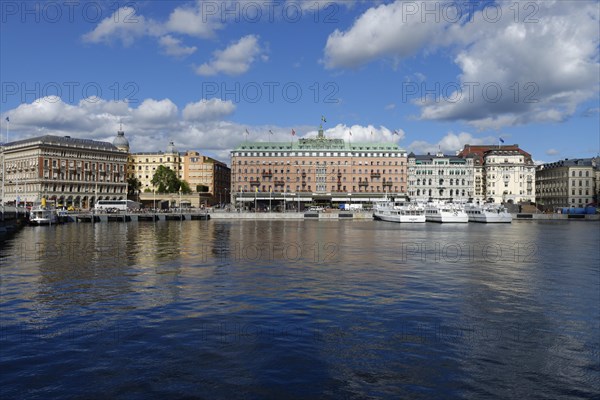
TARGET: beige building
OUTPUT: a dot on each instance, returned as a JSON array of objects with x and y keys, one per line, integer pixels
[
  {"x": 215, "y": 176},
  {"x": 440, "y": 177},
  {"x": 72, "y": 172},
  {"x": 502, "y": 174},
  {"x": 143, "y": 165},
  {"x": 316, "y": 170},
  {"x": 567, "y": 183}
]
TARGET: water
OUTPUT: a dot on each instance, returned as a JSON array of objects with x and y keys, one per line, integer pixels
[{"x": 294, "y": 309}]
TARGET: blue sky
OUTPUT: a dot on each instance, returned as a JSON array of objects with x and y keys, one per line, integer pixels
[{"x": 200, "y": 73}]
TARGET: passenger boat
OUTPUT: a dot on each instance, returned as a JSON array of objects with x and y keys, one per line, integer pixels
[
  {"x": 488, "y": 213},
  {"x": 404, "y": 213},
  {"x": 42, "y": 214},
  {"x": 445, "y": 212}
]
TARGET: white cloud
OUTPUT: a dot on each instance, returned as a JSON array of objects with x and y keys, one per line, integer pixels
[
  {"x": 361, "y": 133},
  {"x": 450, "y": 143},
  {"x": 384, "y": 30},
  {"x": 234, "y": 60},
  {"x": 191, "y": 21},
  {"x": 156, "y": 112},
  {"x": 544, "y": 69},
  {"x": 124, "y": 25},
  {"x": 552, "y": 152},
  {"x": 173, "y": 47},
  {"x": 390, "y": 107},
  {"x": 553, "y": 63},
  {"x": 206, "y": 110}
]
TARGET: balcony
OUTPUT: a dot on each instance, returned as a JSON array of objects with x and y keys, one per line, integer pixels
[
  {"x": 279, "y": 183},
  {"x": 267, "y": 173},
  {"x": 255, "y": 182},
  {"x": 304, "y": 174},
  {"x": 375, "y": 175},
  {"x": 388, "y": 183},
  {"x": 363, "y": 183}
]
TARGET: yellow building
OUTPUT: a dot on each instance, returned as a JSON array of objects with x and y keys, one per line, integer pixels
[{"x": 143, "y": 165}]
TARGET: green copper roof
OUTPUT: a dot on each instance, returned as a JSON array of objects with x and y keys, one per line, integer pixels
[{"x": 317, "y": 144}]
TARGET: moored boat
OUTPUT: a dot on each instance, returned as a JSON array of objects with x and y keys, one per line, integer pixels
[
  {"x": 43, "y": 214},
  {"x": 403, "y": 213},
  {"x": 488, "y": 213},
  {"x": 445, "y": 212}
]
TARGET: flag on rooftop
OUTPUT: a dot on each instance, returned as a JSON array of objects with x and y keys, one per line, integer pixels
[
  {"x": 501, "y": 140},
  {"x": 396, "y": 133},
  {"x": 293, "y": 132},
  {"x": 323, "y": 119},
  {"x": 270, "y": 132},
  {"x": 7, "y": 119}
]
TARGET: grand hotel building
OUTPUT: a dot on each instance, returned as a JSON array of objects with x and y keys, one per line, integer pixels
[{"x": 316, "y": 171}]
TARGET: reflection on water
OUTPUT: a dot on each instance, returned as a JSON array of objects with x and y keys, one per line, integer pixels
[{"x": 294, "y": 309}]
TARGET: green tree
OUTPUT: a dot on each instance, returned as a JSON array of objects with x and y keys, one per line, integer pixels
[
  {"x": 185, "y": 187},
  {"x": 133, "y": 185},
  {"x": 165, "y": 180}
]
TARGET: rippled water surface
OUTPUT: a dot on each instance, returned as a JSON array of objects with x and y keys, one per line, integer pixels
[{"x": 294, "y": 309}]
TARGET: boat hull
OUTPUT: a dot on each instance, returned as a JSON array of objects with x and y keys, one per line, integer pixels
[
  {"x": 491, "y": 218},
  {"x": 383, "y": 216}
]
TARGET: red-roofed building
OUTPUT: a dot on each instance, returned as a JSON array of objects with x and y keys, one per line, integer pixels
[{"x": 502, "y": 174}]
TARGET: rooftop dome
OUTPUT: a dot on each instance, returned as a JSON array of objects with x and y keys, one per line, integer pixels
[
  {"x": 171, "y": 148},
  {"x": 121, "y": 142}
]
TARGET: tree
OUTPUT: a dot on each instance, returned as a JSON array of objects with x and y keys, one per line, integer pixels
[
  {"x": 134, "y": 186},
  {"x": 165, "y": 180},
  {"x": 185, "y": 187}
]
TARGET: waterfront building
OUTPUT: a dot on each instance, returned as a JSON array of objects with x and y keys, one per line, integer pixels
[
  {"x": 316, "y": 170},
  {"x": 502, "y": 174},
  {"x": 72, "y": 172},
  {"x": 206, "y": 175},
  {"x": 440, "y": 177},
  {"x": 567, "y": 183},
  {"x": 143, "y": 165}
]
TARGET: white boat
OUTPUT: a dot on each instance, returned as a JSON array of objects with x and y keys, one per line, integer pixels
[
  {"x": 404, "y": 213},
  {"x": 488, "y": 213},
  {"x": 42, "y": 214},
  {"x": 445, "y": 212}
]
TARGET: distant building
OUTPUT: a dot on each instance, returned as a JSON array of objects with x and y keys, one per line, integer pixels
[
  {"x": 72, "y": 172},
  {"x": 202, "y": 173},
  {"x": 502, "y": 174},
  {"x": 317, "y": 169},
  {"x": 205, "y": 173},
  {"x": 440, "y": 176},
  {"x": 567, "y": 183},
  {"x": 143, "y": 165}
]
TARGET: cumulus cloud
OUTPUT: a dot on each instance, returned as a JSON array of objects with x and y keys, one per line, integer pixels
[
  {"x": 206, "y": 110},
  {"x": 123, "y": 25},
  {"x": 191, "y": 21},
  {"x": 173, "y": 47},
  {"x": 384, "y": 30},
  {"x": 360, "y": 133},
  {"x": 512, "y": 72},
  {"x": 233, "y": 60},
  {"x": 450, "y": 143}
]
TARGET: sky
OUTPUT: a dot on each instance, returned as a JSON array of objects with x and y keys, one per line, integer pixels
[{"x": 201, "y": 73}]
